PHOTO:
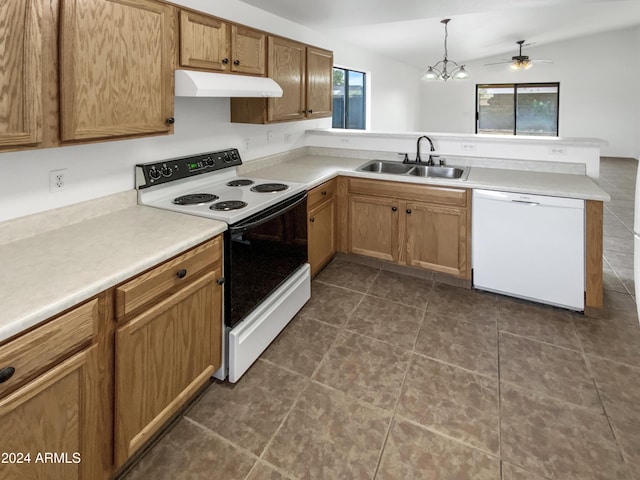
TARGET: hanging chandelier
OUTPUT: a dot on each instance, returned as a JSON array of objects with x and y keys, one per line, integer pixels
[{"x": 442, "y": 73}]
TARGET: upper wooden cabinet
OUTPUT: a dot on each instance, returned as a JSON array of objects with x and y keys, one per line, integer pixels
[
  {"x": 305, "y": 75},
  {"x": 319, "y": 83},
  {"x": 116, "y": 75},
  {"x": 28, "y": 73},
  {"x": 209, "y": 43}
]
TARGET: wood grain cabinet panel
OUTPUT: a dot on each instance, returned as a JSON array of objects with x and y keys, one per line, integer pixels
[
  {"x": 322, "y": 225},
  {"x": 287, "y": 66},
  {"x": 248, "y": 51},
  {"x": 319, "y": 83},
  {"x": 175, "y": 347},
  {"x": 26, "y": 30},
  {"x": 50, "y": 414},
  {"x": 373, "y": 227},
  {"x": 116, "y": 68},
  {"x": 204, "y": 42}
]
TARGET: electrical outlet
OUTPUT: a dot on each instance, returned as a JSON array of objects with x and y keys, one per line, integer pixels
[
  {"x": 247, "y": 141},
  {"x": 57, "y": 180},
  {"x": 269, "y": 136},
  {"x": 287, "y": 138},
  {"x": 557, "y": 151},
  {"x": 468, "y": 146}
]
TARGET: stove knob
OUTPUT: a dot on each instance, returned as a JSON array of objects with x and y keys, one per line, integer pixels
[
  {"x": 154, "y": 173},
  {"x": 226, "y": 157},
  {"x": 234, "y": 155},
  {"x": 209, "y": 161},
  {"x": 166, "y": 171}
]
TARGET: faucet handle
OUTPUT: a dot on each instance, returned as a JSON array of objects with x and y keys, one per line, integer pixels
[
  {"x": 406, "y": 157},
  {"x": 442, "y": 162}
]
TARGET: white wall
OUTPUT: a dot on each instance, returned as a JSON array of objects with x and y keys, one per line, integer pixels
[
  {"x": 599, "y": 96},
  {"x": 201, "y": 125}
]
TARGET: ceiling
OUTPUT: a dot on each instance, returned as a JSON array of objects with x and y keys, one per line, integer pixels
[{"x": 410, "y": 30}]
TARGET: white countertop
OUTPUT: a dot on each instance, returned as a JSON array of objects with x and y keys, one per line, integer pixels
[
  {"x": 314, "y": 170},
  {"x": 47, "y": 273}
]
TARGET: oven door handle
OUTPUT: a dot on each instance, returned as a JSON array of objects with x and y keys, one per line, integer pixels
[{"x": 269, "y": 214}]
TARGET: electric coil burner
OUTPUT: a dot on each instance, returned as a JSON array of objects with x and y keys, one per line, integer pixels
[
  {"x": 228, "y": 205},
  {"x": 266, "y": 274},
  {"x": 269, "y": 187},
  {"x": 241, "y": 182},
  {"x": 195, "y": 199}
]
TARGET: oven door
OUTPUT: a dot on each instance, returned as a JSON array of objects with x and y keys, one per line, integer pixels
[{"x": 267, "y": 279}]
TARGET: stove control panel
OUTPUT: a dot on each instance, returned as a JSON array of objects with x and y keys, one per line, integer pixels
[{"x": 157, "y": 173}]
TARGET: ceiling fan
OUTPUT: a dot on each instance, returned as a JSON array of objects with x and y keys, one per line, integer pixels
[{"x": 520, "y": 62}]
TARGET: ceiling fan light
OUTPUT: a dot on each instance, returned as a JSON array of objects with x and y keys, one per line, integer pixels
[{"x": 527, "y": 65}]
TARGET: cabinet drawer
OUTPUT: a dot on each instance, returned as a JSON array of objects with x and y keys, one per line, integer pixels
[
  {"x": 320, "y": 193},
  {"x": 36, "y": 351},
  {"x": 410, "y": 191},
  {"x": 162, "y": 279}
]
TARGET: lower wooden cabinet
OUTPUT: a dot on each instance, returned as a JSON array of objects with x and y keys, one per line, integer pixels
[
  {"x": 421, "y": 226},
  {"x": 321, "y": 231},
  {"x": 166, "y": 353}
]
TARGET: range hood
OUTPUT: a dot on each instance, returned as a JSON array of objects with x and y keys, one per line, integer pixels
[{"x": 190, "y": 83}]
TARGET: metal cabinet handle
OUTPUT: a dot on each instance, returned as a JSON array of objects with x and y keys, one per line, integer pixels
[
  {"x": 394, "y": 209},
  {"x": 225, "y": 61},
  {"x": 171, "y": 121},
  {"x": 324, "y": 194},
  {"x": 236, "y": 62},
  {"x": 220, "y": 281},
  {"x": 182, "y": 273},
  {"x": 6, "y": 373},
  {"x": 408, "y": 210},
  {"x": 312, "y": 219}
]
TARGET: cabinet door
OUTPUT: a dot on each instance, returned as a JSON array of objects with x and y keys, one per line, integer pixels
[
  {"x": 437, "y": 238},
  {"x": 116, "y": 75},
  {"x": 287, "y": 65},
  {"x": 50, "y": 414},
  {"x": 20, "y": 72},
  {"x": 319, "y": 83},
  {"x": 248, "y": 51},
  {"x": 322, "y": 234},
  {"x": 175, "y": 347},
  {"x": 204, "y": 42},
  {"x": 373, "y": 227}
]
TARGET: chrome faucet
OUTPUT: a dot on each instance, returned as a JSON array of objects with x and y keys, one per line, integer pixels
[{"x": 432, "y": 149}]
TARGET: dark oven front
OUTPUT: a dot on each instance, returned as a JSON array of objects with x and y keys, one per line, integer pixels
[{"x": 261, "y": 252}]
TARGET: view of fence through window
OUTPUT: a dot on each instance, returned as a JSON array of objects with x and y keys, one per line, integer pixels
[
  {"x": 348, "y": 99},
  {"x": 518, "y": 109}
]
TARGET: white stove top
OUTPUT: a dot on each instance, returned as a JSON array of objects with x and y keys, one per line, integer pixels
[{"x": 215, "y": 183}]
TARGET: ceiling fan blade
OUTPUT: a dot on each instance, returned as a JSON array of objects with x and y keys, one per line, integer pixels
[
  {"x": 541, "y": 60},
  {"x": 499, "y": 63}
]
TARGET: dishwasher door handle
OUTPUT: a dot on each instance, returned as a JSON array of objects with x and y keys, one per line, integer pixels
[{"x": 525, "y": 202}]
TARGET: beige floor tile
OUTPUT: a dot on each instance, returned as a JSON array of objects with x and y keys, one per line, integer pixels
[
  {"x": 539, "y": 322},
  {"x": 330, "y": 304},
  {"x": 412, "y": 452},
  {"x": 548, "y": 369},
  {"x": 187, "y": 452},
  {"x": 366, "y": 369},
  {"x": 403, "y": 289},
  {"x": 619, "y": 387},
  {"x": 349, "y": 275},
  {"x": 616, "y": 341},
  {"x": 329, "y": 435},
  {"x": 301, "y": 346},
  {"x": 628, "y": 437},
  {"x": 264, "y": 471},
  {"x": 460, "y": 342},
  {"x": 450, "y": 400},
  {"x": 470, "y": 305},
  {"x": 511, "y": 472},
  {"x": 557, "y": 440},
  {"x": 249, "y": 412},
  {"x": 386, "y": 321}
]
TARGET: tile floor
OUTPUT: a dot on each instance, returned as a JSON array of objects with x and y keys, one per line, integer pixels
[{"x": 449, "y": 384}]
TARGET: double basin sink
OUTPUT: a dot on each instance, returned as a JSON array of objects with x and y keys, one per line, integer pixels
[{"x": 396, "y": 168}]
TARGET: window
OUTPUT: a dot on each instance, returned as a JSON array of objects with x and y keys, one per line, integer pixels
[
  {"x": 518, "y": 109},
  {"x": 348, "y": 99}
]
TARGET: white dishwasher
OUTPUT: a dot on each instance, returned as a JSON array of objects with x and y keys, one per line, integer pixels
[{"x": 529, "y": 246}]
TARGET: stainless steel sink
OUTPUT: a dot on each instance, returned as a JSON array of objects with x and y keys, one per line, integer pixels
[
  {"x": 438, "y": 172},
  {"x": 396, "y": 168},
  {"x": 380, "y": 166}
]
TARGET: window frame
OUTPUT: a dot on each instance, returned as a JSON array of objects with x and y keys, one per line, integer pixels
[
  {"x": 515, "y": 87},
  {"x": 346, "y": 97}
]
